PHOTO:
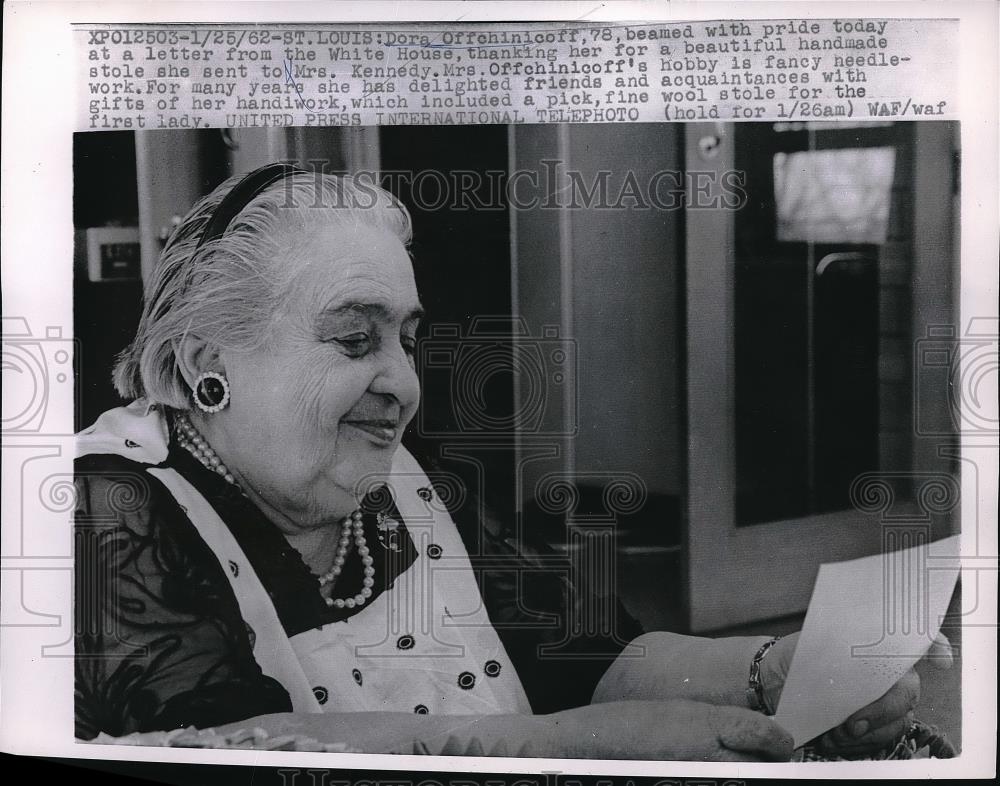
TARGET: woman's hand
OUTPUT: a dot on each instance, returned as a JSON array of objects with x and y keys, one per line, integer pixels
[
  {"x": 873, "y": 727},
  {"x": 677, "y": 729},
  {"x": 885, "y": 720}
]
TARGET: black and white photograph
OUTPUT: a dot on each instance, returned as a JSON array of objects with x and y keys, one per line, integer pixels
[
  {"x": 471, "y": 432},
  {"x": 416, "y": 422}
]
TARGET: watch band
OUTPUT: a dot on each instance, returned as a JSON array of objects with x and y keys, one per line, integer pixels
[{"x": 755, "y": 690}]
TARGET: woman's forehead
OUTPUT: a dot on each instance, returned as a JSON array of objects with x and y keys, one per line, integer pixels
[{"x": 341, "y": 266}]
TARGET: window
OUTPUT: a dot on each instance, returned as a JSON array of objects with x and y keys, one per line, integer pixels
[
  {"x": 833, "y": 196},
  {"x": 821, "y": 326}
]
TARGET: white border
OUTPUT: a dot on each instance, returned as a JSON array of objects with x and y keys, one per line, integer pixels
[{"x": 37, "y": 252}]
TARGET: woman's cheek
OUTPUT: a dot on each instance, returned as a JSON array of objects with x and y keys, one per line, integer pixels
[{"x": 330, "y": 393}]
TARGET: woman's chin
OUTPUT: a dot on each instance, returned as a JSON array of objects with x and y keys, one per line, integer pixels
[{"x": 365, "y": 473}]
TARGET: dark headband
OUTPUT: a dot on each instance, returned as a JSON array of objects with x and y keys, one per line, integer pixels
[{"x": 241, "y": 195}]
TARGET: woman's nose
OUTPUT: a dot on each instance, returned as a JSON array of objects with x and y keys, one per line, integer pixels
[{"x": 397, "y": 378}]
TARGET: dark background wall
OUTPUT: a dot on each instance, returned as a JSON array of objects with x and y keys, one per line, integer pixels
[{"x": 105, "y": 314}]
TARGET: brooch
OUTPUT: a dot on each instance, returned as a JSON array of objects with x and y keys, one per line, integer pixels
[{"x": 387, "y": 528}]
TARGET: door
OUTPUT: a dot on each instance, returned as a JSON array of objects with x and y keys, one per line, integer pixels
[{"x": 803, "y": 305}]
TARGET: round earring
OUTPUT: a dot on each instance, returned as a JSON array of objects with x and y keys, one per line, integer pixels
[{"x": 211, "y": 392}]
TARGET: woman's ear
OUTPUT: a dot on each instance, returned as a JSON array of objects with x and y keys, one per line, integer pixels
[{"x": 194, "y": 357}]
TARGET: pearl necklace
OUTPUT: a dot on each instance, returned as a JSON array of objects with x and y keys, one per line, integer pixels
[
  {"x": 189, "y": 438},
  {"x": 353, "y": 522}
]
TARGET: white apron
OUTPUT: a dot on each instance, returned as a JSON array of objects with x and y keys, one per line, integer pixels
[{"x": 425, "y": 645}]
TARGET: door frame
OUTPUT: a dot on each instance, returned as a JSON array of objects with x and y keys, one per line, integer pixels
[{"x": 736, "y": 574}]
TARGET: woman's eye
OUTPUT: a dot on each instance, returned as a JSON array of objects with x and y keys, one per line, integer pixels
[
  {"x": 355, "y": 344},
  {"x": 409, "y": 344}
]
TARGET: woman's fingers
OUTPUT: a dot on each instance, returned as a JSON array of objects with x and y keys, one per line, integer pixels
[
  {"x": 940, "y": 652},
  {"x": 880, "y": 722},
  {"x": 750, "y": 732},
  {"x": 872, "y": 741},
  {"x": 883, "y": 721},
  {"x": 898, "y": 700}
]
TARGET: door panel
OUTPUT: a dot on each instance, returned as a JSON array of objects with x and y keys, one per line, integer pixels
[{"x": 800, "y": 338}]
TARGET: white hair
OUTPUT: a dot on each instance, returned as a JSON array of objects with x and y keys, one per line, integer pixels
[{"x": 227, "y": 291}]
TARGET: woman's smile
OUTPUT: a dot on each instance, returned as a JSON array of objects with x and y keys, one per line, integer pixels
[{"x": 381, "y": 432}]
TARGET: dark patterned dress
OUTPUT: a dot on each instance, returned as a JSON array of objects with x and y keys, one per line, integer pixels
[{"x": 161, "y": 644}]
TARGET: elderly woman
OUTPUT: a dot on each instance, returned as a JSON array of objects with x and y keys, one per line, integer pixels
[{"x": 255, "y": 540}]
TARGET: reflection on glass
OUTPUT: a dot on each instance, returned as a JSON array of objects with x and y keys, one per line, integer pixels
[{"x": 833, "y": 196}]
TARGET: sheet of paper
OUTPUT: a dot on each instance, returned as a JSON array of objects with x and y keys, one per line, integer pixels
[{"x": 869, "y": 621}]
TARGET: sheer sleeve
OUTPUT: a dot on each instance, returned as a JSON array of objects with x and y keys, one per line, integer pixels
[
  {"x": 159, "y": 639},
  {"x": 559, "y": 633}
]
